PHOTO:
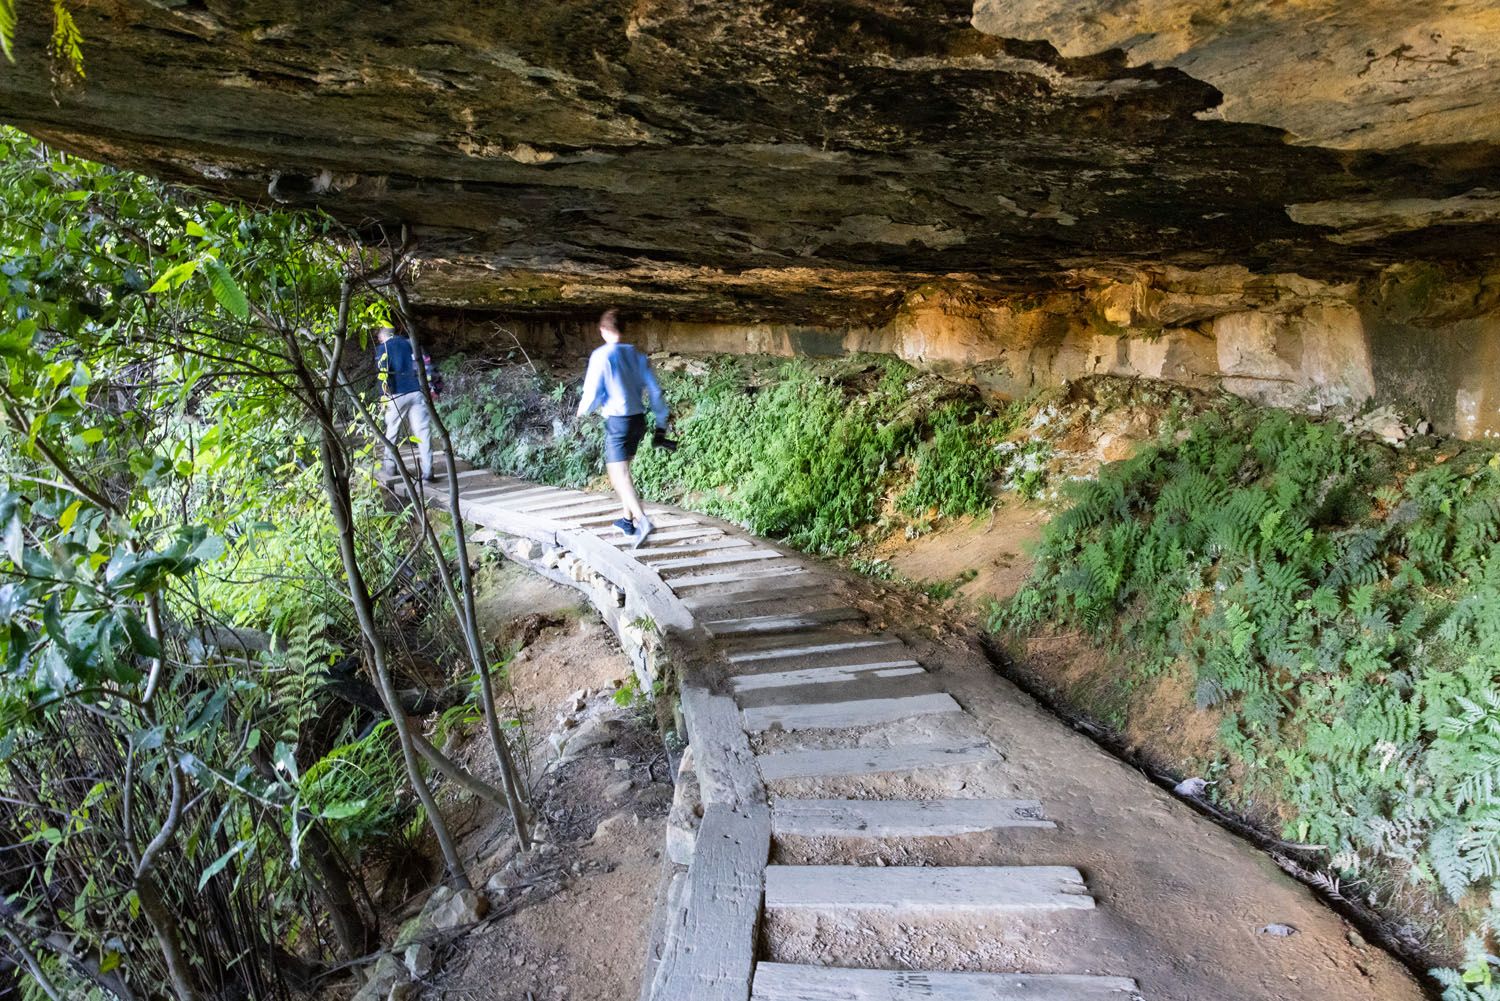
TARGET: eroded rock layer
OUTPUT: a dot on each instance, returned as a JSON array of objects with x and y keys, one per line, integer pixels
[
  {"x": 808, "y": 161},
  {"x": 1417, "y": 336}
]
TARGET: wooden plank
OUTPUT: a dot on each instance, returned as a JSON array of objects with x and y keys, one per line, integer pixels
[
  {"x": 550, "y": 507},
  {"x": 615, "y": 537},
  {"x": 902, "y": 818},
  {"x": 713, "y": 951},
  {"x": 721, "y": 751},
  {"x": 720, "y": 559},
  {"x": 756, "y": 625},
  {"x": 665, "y": 552},
  {"x": 872, "y": 760},
  {"x": 516, "y": 499},
  {"x": 787, "y": 982},
  {"x": 929, "y": 891},
  {"x": 856, "y": 712},
  {"x": 748, "y": 595},
  {"x": 808, "y": 649},
  {"x": 663, "y": 520},
  {"x": 719, "y": 578},
  {"x": 826, "y": 675}
]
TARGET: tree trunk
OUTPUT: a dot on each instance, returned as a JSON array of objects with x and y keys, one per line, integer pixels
[
  {"x": 164, "y": 925},
  {"x": 468, "y": 617},
  {"x": 336, "y": 486}
]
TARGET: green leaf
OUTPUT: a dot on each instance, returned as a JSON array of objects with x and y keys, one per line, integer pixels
[
  {"x": 66, "y": 519},
  {"x": 111, "y": 961},
  {"x": 7, "y": 29},
  {"x": 226, "y": 289},
  {"x": 217, "y": 865},
  {"x": 343, "y": 811},
  {"x": 195, "y": 228},
  {"x": 174, "y": 276}
]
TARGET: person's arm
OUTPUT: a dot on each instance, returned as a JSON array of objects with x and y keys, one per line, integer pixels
[
  {"x": 592, "y": 380},
  {"x": 653, "y": 390}
]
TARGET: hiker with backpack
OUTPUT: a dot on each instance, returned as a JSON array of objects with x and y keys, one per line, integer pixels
[
  {"x": 401, "y": 390},
  {"x": 618, "y": 376}
]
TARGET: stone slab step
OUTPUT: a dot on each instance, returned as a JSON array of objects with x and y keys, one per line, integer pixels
[
  {"x": 902, "y": 818},
  {"x": 927, "y": 891},
  {"x": 856, "y": 712},
  {"x": 568, "y": 507},
  {"x": 615, "y": 537},
  {"x": 660, "y": 518},
  {"x": 810, "y": 649},
  {"x": 713, "y": 559},
  {"x": 873, "y": 760},
  {"x": 658, "y": 549},
  {"x": 788, "y": 982},
  {"x": 745, "y": 597},
  {"x": 826, "y": 675},
  {"x": 757, "y": 625},
  {"x": 528, "y": 494},
  {"x": 761, "y": 574},
  {"x": 863, "y": 688}
]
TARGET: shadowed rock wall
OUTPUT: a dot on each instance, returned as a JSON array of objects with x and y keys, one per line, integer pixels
[
  {"x": 808, "y": 161},
  {"x": 1415, "y": 336}
]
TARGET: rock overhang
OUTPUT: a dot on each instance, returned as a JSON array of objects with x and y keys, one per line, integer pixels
[{"x": 803, "y": 160}]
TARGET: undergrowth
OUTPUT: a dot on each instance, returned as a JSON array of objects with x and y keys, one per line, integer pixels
[
  {"x": 798, "y": 450},
  {"x": 1339, "y": 601}
]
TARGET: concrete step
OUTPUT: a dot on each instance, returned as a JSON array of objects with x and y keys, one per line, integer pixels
[
  {"x": 761, "y": 574},
  {"x": 902, "y": 818},
  {"x": 826, "y": 675},
  {"x": 926, "y": 891},
  {"x": 794, "y": 651},
  {"x": 838, "y": 715},
  {"x": 788, "y": 982},
  {"x": 764, "y": 625},
  {"x": 685, "y": 563},
  {"x": 873, "y": 760}
]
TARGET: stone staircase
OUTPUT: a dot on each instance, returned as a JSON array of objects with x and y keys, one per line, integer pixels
[{"x": 813, "y": 733}]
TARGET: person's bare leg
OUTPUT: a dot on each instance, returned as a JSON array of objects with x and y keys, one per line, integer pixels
[{"x": 624, "y": 484}]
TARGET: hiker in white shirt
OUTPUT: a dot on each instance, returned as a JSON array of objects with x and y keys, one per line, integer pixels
[{"x": 618, "y": 376}]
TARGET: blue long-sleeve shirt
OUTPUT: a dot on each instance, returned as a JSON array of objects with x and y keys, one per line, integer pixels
[
  {"x": 397, "y": 367},
  {"x": 617, "y": 376}
]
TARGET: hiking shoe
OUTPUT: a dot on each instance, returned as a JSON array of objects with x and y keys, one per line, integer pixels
[
  {"x": 625, "y": 525},
  {"x": 642, "y": 530},
  {"x": 430, "y": 478}
]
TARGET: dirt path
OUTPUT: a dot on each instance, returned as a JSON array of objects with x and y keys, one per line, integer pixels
[{"x": 925, "y": 817}]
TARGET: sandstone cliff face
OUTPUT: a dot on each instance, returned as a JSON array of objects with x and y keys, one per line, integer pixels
[
  {"x": 1014, "y": 191},
  {"x": 1412, "y": 335},
  {"x": 809, "y": 161}
]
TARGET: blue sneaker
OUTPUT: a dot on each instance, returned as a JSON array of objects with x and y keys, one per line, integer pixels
[{"x": 625, "y": 525}]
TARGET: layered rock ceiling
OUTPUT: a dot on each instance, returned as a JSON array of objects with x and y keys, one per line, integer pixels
[{"x": 810, "y": 160}]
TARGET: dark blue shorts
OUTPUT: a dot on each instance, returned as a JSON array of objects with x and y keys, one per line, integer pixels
[{"x": 622, "y": 436}]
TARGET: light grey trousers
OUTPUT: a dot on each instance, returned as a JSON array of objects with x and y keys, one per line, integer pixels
[{"x": 413, "y": 409}]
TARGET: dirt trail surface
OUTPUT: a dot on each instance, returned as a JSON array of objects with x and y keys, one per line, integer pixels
[
  {"x": 600, "y": 808},
  {"x": 927, "y": 818}
]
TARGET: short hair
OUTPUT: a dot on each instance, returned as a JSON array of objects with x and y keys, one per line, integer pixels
[
  {"x": 610, "y": 320},
  {"x": 381, "y": 333}
]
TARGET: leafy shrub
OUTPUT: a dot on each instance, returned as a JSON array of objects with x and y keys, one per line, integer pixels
[
  {"x": 958, "y": 465},
  {"x": 803, "y": 451},
  {"x": 1341, "y": 609}
]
